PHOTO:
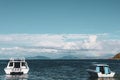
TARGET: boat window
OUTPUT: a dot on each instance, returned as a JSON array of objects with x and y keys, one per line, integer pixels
[
  {"x": 107, "y": 71},
  {"x": 11, "y": 64},
  {"x": 98, "y": 69},
  {"x": 17, "y": 65},
  {"x": 23, "y": 64}
]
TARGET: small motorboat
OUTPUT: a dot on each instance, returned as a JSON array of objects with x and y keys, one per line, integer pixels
[
  {"x": 100, "y": 70},
  {"x": 18, "y": 66}
]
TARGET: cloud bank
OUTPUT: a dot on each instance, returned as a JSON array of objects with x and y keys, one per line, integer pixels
[{"x": 57, "y": 45}]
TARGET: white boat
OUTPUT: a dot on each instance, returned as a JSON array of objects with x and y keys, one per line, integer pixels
[
  {"x": 100, "y": 70},
  {"x": 18, "y": 66}
]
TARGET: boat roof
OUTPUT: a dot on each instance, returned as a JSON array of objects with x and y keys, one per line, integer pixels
[
  {"x": 17, "y": 60},
  {"x": 100, "y": 65}
]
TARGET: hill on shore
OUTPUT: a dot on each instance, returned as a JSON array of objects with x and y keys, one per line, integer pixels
[
  {"x": 117, "y": 56},
  {"x": 38, "y": 57},
  {"x": 69, "y": 57}
]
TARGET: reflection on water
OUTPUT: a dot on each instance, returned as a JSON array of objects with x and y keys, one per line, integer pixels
[
  {"x": 105, "y": 79},
  {"x": 16, "y": 77},
  {"x": 91, "y": 78}
]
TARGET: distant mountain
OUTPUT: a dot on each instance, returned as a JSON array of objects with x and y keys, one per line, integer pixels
[
  {"x": 38, "y": 57},
  {"x": 69, "y": 57},
  {"x": 117, "y": 56}
]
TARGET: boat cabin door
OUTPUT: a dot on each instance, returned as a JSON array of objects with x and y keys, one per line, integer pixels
[{"x": 17, "y": 65}]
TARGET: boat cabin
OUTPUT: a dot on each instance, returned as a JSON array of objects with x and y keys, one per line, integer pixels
[
  {"x": 103, "y": 68},
  {"x": 17, "y": 64}
]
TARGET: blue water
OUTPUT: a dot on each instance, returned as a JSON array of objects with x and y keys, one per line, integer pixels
[{"x": 60, "y": 70}]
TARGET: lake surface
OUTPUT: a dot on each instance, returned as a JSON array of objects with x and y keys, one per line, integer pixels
[{"x": 60, "y": 70}]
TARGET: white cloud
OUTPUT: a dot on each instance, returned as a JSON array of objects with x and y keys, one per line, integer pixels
[
  {"x": 92, "y": 38},
  {"x": 78, "y": 44}
]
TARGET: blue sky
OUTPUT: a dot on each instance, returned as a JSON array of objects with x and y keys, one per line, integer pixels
[
  {"x": 59, "y": 16},
  {"x": 57, "y": 27}
]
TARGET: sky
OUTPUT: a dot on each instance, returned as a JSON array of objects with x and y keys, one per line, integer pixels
[{"x": 56, "y": 28}]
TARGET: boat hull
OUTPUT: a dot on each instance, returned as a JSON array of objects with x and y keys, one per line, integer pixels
[
  {"x": 99, "y": 74},
  {"x": 12, "y": 71},
  {"x": 106, "y": 75},
  {"x": 16, "y": 73}
]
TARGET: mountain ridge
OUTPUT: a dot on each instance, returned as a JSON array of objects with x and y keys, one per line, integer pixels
[{"x": 117, "y": 56}]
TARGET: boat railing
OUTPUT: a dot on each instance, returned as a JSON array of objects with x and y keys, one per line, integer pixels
[
  {"x": 17, "y": 59},
  {"x": 92, "y": 70}
]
